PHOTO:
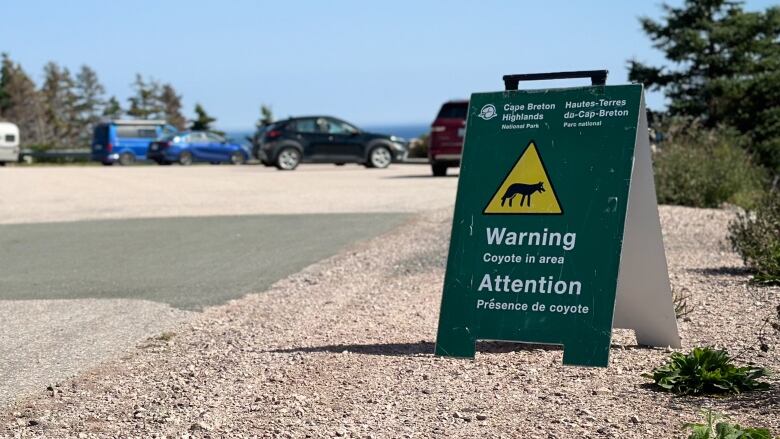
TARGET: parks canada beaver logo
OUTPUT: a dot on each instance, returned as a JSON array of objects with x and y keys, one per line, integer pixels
[{"x": 488, "y": 112}]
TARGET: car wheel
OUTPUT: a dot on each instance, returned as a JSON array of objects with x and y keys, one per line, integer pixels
[
  {"x": 237, "y": 158},
  {"x": 439, "y": 170},
  {"x": 126, "y": 159},
  {"x": 185, "y": 158},
  {"x": 288, "y": 159},
  {"x": 379, "y": 157}
]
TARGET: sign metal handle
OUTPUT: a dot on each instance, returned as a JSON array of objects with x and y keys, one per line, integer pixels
[{"x": 597, "y": 77}]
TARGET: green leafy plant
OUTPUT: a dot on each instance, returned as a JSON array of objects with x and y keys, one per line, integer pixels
[
  {"x": 711, "y": 429},
  {"x": 755, "y": 235},
  {"x": 706, "y": 371}
]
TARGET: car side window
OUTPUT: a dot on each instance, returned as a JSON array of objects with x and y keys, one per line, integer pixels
[
  {"x": 197, "y": 137},
  {"x": 339, "y": 127},
  {"x": 214, "y": 138},
  {"x": 305, "y": 126}
]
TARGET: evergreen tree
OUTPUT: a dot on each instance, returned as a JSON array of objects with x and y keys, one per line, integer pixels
[
  {"x": 145, "y": 104},
  {"x": 266, "y": 116},
  {"x": 202, "y": 121},
  {"x": 90, "y": 102},
  {"x": 171, "y": 104},
  {"x": 6, "y": 70},
  {"x": 726, "y": 68},
  {"x": 21, "y": 103},
  {"x": 60, "y": 106},
  {"x": 112, "y": 109}
]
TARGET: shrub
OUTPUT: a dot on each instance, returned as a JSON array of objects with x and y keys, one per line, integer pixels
[
  {"x": 724, "y": 430},
  {"x": 755, "y": 235},
  {"x": 698, "y": 167},
  {"x": 418, "y": 148},
  {"x": 706, "y": 371},
  {"x": 681, "y": 307}
]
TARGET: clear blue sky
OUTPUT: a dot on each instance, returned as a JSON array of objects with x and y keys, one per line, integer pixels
[{"x": 373, "y": 63}]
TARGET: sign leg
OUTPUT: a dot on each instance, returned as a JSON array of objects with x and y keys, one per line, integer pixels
[
  {"x": 593, "y": 353},
  {"x": 455, "y": 342},
  {"x": 644, "y": 295}
]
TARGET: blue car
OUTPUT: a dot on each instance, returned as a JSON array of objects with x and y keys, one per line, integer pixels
[
  {"x": 187, "y": 147},
  {"x": 126, "y": 141}
]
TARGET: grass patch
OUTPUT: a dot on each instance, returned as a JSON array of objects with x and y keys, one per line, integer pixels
[{"x": 706, "y": 371}]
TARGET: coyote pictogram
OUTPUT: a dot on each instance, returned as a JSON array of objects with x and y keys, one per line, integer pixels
[{"x": 526, "y": 190}]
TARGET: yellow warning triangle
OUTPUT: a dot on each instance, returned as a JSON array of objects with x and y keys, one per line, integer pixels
[{"x": 526, "y": 189}]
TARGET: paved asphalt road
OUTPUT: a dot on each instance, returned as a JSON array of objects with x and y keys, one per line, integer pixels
[
  {"x": 93, "y": 260},
  {"x": 187, "y": 263}
]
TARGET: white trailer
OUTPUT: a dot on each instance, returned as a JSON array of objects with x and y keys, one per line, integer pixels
[{"x": 9, "y": 143}]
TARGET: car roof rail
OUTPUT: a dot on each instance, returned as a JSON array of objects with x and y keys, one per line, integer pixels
[
  {"x": 597, "y": 77},
  {"x": 138, "y": 122}
]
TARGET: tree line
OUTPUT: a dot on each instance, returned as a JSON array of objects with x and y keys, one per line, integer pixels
[{"x": 64, "y": 109}]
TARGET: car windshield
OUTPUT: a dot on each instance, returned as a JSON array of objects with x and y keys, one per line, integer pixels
[
  {"x": 168, "y": 137},
  {"x": 168, "y": 130}
]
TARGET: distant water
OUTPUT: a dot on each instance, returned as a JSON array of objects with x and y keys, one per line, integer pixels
[{"x": 408, "y": 132}]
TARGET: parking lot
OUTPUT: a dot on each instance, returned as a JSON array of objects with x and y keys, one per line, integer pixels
[
  {"x": 55, "y": 194},
  {"x": 97, "y": 258}
]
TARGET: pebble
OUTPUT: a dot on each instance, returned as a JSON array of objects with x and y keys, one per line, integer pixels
[
  {"x": 465, "y": 417},
  {"x": 200, "y": 426}
]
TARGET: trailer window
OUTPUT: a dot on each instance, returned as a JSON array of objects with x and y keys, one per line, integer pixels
[{"x": 10, "y": 138}]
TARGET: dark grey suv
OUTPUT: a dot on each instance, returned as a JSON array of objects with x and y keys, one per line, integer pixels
[{"x": 324, "y": 139}]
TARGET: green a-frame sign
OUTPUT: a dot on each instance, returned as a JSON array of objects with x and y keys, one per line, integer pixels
[{"x": 555, "y": 221}]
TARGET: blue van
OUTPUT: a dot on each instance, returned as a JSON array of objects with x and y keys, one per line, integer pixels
[{"x": 125, "y": 141}]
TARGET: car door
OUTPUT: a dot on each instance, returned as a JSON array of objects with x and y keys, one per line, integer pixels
[
  {"x": 304, "y": 131},
  {"x": 135, "y": 139},
  {"x": 334, "y": 141},
  {"x": 199, "y": 146},
  {"x": 344, "y": 140},
  {"x": 218, "y": 149}
]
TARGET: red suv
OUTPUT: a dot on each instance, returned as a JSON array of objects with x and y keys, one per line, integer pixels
[{"x": 447, "y": 132}]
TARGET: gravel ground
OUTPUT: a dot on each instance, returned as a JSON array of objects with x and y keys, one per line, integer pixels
[{"x": 343, "y": 348}]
